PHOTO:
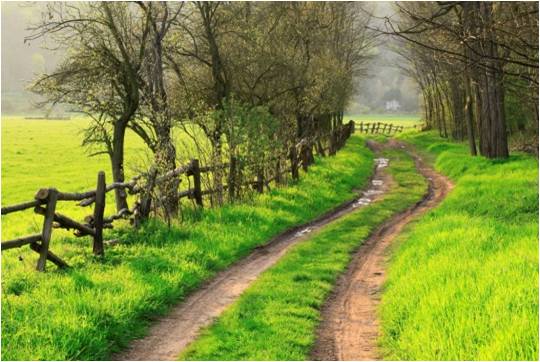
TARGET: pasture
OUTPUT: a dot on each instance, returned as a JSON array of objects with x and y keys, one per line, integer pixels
[{"x": 48, "y": 153}]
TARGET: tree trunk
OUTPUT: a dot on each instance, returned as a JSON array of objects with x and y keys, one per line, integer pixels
[
  {"x": 495, "y": 142},
  {"x": 117, "y": 163},
  {"x": 469, "y": 116},
  {"x": 165, "y": 159}
]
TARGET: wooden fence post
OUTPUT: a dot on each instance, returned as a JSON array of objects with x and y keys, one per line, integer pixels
[
  {"x": 352, "y": 128},
  {"x": 373, "y": 127},
  {"x": 52, "y": 198},
  {"x": 197, "y": 191},
  {"x": 361, "y": 127},
  {"x": 99, "y": 209},
  {"x": 384, "y": 128},
  {"x": 390, "y": 129}
]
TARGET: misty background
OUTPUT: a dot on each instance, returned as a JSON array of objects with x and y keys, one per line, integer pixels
[{"x": 384, "y": 90}]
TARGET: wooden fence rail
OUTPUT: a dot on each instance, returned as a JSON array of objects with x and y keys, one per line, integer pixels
[
  {"x": 378, "y": 128},
  {"x": 384, "y": 127},
  {"x": 46, "y": 199}
]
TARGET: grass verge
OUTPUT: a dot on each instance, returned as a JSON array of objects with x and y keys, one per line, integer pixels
[
  {"x": 463, "y": 283},
  {"x": 277, "y": 316},
  {"x": 96, "y": 308}
]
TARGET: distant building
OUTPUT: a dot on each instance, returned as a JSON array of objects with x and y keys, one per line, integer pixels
[{"x": 392, "y": 105}]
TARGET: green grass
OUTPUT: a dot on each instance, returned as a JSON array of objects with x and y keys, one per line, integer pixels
[
  {"x": 96, "y": 308},
  {"x": 277, "y": 316},
  {"x": 395, "y": 119},
  {"x": 463, "y": 282},
  {"x": 45, "y": 153}
]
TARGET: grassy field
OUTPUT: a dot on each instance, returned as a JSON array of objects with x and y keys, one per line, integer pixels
[
  {"x": 463, "y": 282},
  {"x": 44, "y": 153},
  {"x": 395, "y": 119},
  {"x": 276, "y": 318},
  {"x": 97, "y": 307}
]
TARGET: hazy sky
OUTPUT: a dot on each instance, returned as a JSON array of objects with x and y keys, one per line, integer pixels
[{"x": 20, "y": 62}]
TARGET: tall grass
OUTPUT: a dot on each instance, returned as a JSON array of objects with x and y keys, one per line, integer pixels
[
  {"x": 463, "y": 282},
  {"x": 96, "y": 308},
  {"x": 276, "y": 317}
]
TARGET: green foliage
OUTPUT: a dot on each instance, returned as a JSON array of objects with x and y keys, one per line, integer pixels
[
  {"x": 276, "y": 317},
  {"x": 96, "y": 308},
  {"x": 463, "y": 282},
  {"x": 250, "y": 131}
]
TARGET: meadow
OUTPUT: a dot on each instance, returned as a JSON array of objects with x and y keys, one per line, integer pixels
[
  {"x": 47, "y": 153},
  {"x": 463, "y": 280},
  {"x": 96, "y": 307}
]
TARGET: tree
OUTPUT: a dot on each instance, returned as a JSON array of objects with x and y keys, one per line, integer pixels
[
  {"x": 485, "y": 49},
  {"x": 105, "y": 48}
]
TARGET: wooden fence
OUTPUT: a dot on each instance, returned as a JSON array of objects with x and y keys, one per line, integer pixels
[
  {"x": 378, "y": 128},
  {"x": 383, "y": 128},
  {"x": 46, "y": 200}
]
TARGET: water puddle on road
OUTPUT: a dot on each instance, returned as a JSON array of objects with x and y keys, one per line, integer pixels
[{"x": 376, "y": 189}]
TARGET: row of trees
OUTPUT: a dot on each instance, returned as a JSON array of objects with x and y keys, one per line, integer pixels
[
  {"x": 245, "y": 80},
  {"x": 476, "y": 64}
]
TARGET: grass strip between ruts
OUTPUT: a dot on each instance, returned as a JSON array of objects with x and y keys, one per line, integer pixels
[{"x": 277, "y": 316}]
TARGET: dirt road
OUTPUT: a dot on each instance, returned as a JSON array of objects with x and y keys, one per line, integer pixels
[
  {"x": 350, "y": 329},
  {"x": 171, "y": 334}
]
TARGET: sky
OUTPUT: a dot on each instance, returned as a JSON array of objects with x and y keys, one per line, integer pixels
[{"x": 20, "y": 61}]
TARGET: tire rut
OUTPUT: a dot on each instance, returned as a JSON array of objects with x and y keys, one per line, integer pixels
[
  {"x": 169, "y": 335},
  {"x": 350, "y": 329}
]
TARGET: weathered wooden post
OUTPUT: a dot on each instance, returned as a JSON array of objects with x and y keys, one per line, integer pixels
[
  {"x": 294, "y": 162},
  {"x": 384, "y": 128},
  {"x": 197, "y": 191},
  {"x": 373, "y": 127},
  {"x": 51, "y": 195},
  {"x": 361, "y": 127},
  {"x": 99, "y": 209},
  {"x": 390, "y": 129}
]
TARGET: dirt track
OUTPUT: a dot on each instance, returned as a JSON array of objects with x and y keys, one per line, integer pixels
[
  {"x": 170, "y": 335},
  {"x": 350, "y": 329}
]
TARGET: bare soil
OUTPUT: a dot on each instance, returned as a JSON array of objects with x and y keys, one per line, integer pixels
[
  {"x": 169, "y": 335},
  {"x": 350, "y": 329}
]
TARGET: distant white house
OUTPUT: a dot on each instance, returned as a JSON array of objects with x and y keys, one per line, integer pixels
[{"x": 392, "y": 105}]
